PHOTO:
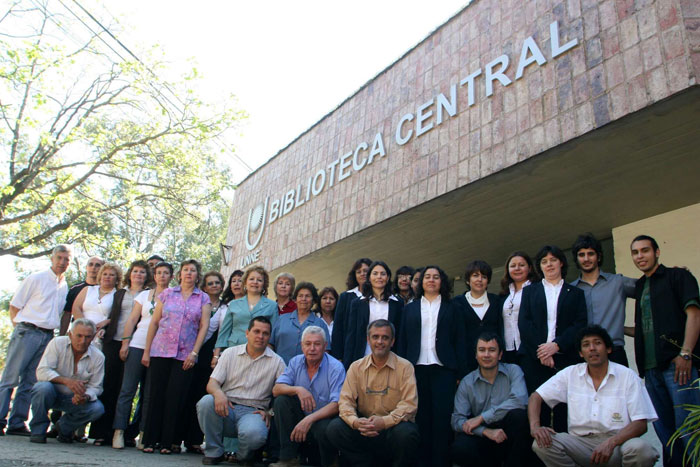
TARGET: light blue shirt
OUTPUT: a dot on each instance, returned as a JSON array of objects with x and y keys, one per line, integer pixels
[
  {"x": 232, "y": 330},
  {"x": 326, "y": 384},
  {"x": 286, "y": 333}
]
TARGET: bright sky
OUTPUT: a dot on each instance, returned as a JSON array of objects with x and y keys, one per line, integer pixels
[{"x": 288, "y": 62}]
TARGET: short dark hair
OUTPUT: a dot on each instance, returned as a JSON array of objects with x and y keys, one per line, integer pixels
[
  {"x": 216, "y": 274},
  {"x": 155, "y": 257},
  {"x": 594, "y": 330},
  {"x": 444, "y": 283},
  {"x": 507, "y": 280},
  {"x": 403, "y": 271},
  {"x": 646, "y": 237},
  {"x": 259, "y": 319},
  {"x": 488, "y": 336},
  {"x": 228, "y": 294},
  {"x": 164, "y": 264},
  {"x": 382, "y": 323},
  {"x": 139, "y": 264},
  {"x": 557, "y": 253},
  {"x": 367, "y": 286},
  {"x": 307, "y": 286},
  {"x": 477, "y": 266},
  {"x": 587, "y": 240},
  {"x": 351, "y": 281}
]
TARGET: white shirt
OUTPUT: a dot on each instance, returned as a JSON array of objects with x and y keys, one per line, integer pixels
[
  {"x": 138, "y": 338},
  {"x": 58, "y": 360},
  {"x": 551, "y": 292},
  {"x": 620, "y": 399},
  {"x": 40, "y": 299},
  {"x": 428, "y": 331},
  {"x": 511, "y": 310},
  {"x": 377, "y": 310},
  {"x": 479, "y": 305},
  {"x": 97, "y": 309},
  {"x": 216, "y": 320}
]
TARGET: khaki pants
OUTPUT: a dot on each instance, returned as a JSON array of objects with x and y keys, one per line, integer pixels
[{"x": 570, "y": 451}]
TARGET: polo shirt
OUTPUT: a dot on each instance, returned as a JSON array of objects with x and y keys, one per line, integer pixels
[{"x": 287, "y": 331}]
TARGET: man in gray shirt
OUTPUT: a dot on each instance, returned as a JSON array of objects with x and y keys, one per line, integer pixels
[
  {"x": 489, "y": 411},
  {"x": 69, "y": 378},
  {"x": 605, "y": 293}
]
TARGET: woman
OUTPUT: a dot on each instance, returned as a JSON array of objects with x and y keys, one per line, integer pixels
[
  {"x": 131, "y": 351},
  {"x": 283, "y": 287},
  {"x": 356, "y": 279},
  {"x": 481, "y": 311},
  {"x": 286, "y": 333},
  {"x": 551, "y": 314},
  {"x": 377, "y": 302},
  {"x": 432, "y": 339},
  {"x": 135, "y": 280},
  {"x": 519, "y": 273},
  {"x": 234, "y": 288},
  {"x": 402, "y": 284},
  {"x": 326, "y": 310},
  {"x": 95, "y": 302},
  {"x": 176, "y": 333},
  {"x": 415, "y": 280}
]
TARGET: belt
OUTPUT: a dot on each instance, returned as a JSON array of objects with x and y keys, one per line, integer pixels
[{"x": 34, "y": 326}]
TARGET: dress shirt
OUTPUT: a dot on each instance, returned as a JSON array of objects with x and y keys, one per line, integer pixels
[
  {"x": 326, "y": 384},
  {"x": 511, "y": 310},
  {"x": 477, "y": 396},
  {"x": 179, "y": 324},
  {"x": 247, "y": 381},
  {"x": 287, "y": 331},
  {"x": 606, "y": 300},
  {"x": 58, "y": 361},
  {"x": 389, "y": 391},
  {"x": 377, "y": 310},
  {"x": 40, "y": 298},
  {"x": 551, "y": 292},
  {"x": 288, "y": 307},
  {"x": 620, "y": 399},
  {"x": 428, "y": 331}
]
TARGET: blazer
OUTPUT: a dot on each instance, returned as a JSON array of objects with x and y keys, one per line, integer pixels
[
  {"x": 356, "y": 328},
  {"x": 342, "y": 311},
  {"x": 572, "y": 316},
  {"x": 114, "y": 316},
  {"x": 450, "y": 343},
  {"x": 473, "y": 326}
]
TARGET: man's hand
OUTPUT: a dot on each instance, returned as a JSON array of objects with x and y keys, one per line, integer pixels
[
  {"x": 221, "y": 404},
  {"x": 76, "y": 386},
  {"x": 265, "y": 416},
  {"x": 547, "y": 350},
  {"x": 543, "y": 436},
  {"x": 300, "y": 431},
  {"x": 77, "y": 400},
  {"x": 308, "y": 404},
  {"x": 601, "y": 454},
  {"x": 469, "y": 426},
  {"x": 495, "y": 434},
  {"x": 365, "y": 427},
  {"x": 683, "y": 367},
  {"x": 548, "y": 362}
]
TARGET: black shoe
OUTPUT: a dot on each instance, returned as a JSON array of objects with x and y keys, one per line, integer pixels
[
  {"x": 39, "y": 439},
  {"x": 213, "y": 460},
  {"x": 64, "y": 439},
  {"x": 19, "y": 431},
  {"x": 53, "y": 432},
  {"x": 130, "y": 443}
]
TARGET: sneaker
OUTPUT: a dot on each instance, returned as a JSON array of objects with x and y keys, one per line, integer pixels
[
  {"x": 39, "y": 439},
  {"x": 18, "y": 431},
  {"x": 213, "y": 460}
]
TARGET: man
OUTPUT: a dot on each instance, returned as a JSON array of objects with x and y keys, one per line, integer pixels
[
  {"x": 306, "y": 399},
  {"x": 608, "y": 410},
  {"x": 70, "y": 379},
  {"x": 605, "y": 293},
  {"x": 666, "y": 328},
  {"x": 153, "y": 260},
  {"x": 489, "y": 412},
  {"x": 35, "y": 311},
  {"x": 93, "y": 267},
  {"x": 378, "y": 405},
  {"x": 240, "y": 390}
]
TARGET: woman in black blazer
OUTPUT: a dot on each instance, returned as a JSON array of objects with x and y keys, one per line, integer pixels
[
  {"x": 481, "y": 311},
  {"x": 356, "y": 279},
  {"x": 432, "y": 339},
  {"x": 376, "y": 302},
  {"x": 551, "y": 314}
]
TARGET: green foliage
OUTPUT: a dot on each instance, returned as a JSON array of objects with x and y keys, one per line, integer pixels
[{"x": 689, "y": 431}]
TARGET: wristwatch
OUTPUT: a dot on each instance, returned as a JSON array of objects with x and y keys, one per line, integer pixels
[{"x": 685, "y": 355}]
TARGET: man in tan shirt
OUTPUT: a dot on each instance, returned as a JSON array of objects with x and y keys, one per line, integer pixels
[{"x": 378, "y": 405}]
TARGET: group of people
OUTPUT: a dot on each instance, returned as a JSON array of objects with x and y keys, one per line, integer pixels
[{"x": 388, "y": 371}]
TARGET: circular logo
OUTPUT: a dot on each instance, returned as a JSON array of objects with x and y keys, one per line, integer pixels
[{"x": 256, "y": 218}]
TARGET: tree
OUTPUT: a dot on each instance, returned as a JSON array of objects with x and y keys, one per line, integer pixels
[{"x": 99, "y": 151}]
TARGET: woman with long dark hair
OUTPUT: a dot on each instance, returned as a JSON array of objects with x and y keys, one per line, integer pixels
[
  {"x": 519, "y": 272},
  {"x": 357, "y": 276},
  {"x": 328, "y": 299},
  {"x": 402, "y": 284}
]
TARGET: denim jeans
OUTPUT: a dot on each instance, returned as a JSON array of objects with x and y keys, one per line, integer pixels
[
  {"x": 45, "y": 396},
  {"x": 26, "y": 347},
  {"x": 133, "y": 374},
  {"x": 241, "y": 422},
  {"x": 668, "y": 397}
]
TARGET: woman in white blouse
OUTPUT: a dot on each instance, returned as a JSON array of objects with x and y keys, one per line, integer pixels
[
  {"x": 519, "y": 273},
  {"x": 95, "y": 302}
]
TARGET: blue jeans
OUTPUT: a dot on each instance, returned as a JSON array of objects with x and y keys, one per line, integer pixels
[
  {"x": 45, "y": 396},
  {"x": 668, "y": 398},
  {"x": 26, "y": 347},
  {"x": 241, "y": 422},
  {"x": 133, "y": 374}
]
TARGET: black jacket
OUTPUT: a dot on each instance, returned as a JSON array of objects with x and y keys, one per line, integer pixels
[
  {"x": 356, "y": 328},
  {"x": 340, "y": 319},
  {"x": 473, "y": 326}
]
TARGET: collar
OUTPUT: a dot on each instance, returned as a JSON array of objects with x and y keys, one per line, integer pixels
[
  {"x": 356, "y": 291},
  {"x": 243, "y": 351},
  {"x": 372, "y": 298},
  {"x": 582, "y": 370},
  {"x": 425, "y": 301},
  {"x": 178, "y": 288},
  {"x": 546, "y": 283},
  {"x": 391, "y": 362},
  {"x": 511, "y": 286},
  {"x": 602, "y": 275},
  {"x": 324, "y": 359},
  {"x": 501, "y": 369},
  {"x": 69, "y": 346},
  {"x": 55, "y": 277}
]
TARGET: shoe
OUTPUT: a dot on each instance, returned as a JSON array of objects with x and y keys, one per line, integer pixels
[
  {"x": 213, "y": 460},
  {"x": 129, "y": 443},
  {"x": 19, "y": 431},
  {"x": 39, "y": 439},
  {"x": 118, "y": 439},
  {"x": 53, "y": 432},
  {"x": 61, "y": 438}
]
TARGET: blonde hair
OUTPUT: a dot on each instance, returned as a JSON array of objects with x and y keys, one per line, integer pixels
[{"x": 114, "y": 267}]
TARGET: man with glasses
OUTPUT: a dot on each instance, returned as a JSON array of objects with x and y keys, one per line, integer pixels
[
  {"x": 378, "y": 405},
  {"x": 93, "y": 267}
]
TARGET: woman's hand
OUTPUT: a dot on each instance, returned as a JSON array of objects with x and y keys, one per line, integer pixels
[{"x": 189, "y": 361}]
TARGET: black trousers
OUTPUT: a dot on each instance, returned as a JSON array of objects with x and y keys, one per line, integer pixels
[
  {"x": 287, "y": 414},
  {"x": 167, "y": 391},
  {"x": 396, "y": 446},
  {"x": 535, "y": 375},
  {"x": 436, "y": 393},
  {"x": 190, "y": 432},
  {"x": 473, "y": 450},
  {"x": 112, "y": 383}
]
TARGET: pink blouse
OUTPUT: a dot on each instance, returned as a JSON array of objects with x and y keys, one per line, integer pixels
[{"x": 179, "y": 324}]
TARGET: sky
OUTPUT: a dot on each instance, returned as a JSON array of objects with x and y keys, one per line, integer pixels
[{"x": 288, "y": 63}]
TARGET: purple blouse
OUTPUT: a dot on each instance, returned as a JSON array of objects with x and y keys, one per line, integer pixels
[{"x": 179, "y": 324}]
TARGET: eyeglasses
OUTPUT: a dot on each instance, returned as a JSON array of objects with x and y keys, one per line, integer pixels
[
  {"x": 375, "y": 392},
  {"x": 94, "y": 264}
]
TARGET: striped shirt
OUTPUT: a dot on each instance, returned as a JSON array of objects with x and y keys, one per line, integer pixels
[{"x": 248, "y": 381}]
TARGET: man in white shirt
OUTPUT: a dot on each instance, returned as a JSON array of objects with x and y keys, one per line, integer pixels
[
  {"x": 70, "y": 377},
  {"x": 609, "y": 409},
  {"x": 35, "y": 311}
]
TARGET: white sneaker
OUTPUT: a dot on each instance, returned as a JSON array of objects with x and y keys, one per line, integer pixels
[{"x": 118, "y": 439}]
